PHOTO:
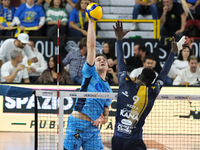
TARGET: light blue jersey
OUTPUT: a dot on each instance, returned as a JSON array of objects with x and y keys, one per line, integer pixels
[
  {"x": 82, "y": 133},
  {"x": 92, "y": 82}
]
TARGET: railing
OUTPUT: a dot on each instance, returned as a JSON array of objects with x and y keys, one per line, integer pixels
[{"x": 156, "y": 24}]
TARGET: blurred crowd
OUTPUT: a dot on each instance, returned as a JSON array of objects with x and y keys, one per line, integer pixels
[{"x": 21, "y": 62}]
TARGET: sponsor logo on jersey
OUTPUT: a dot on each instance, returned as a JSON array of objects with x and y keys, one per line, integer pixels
[
  {"x": 126, "y": 122},
  {"x": 124, "y": 128},
  {"x": 129, "y": 114},
  {"x": 125, "y": 93}
]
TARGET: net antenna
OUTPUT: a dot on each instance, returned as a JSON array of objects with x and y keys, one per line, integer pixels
[{"x": 59, "y": 110}]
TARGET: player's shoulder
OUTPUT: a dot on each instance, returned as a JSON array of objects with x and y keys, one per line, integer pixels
[
  {"x": 157, "y": 85},
  {"x": 87, "y": 66}
]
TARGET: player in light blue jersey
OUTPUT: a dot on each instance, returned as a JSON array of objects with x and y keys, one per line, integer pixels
[{"x": 88, "y": 113}]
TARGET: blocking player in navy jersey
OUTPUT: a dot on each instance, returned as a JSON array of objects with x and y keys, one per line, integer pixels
[
  {"x": 88, "y": 113},
  {"x": 135, "y": 99}
]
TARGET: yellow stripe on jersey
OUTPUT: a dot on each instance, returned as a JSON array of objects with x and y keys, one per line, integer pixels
[{"x": 140, "y": 104}]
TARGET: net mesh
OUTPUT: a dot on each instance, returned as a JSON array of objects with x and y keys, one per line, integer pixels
[
  {"x": 47, "y": 123},
  {"x": 173, "y": 123}
]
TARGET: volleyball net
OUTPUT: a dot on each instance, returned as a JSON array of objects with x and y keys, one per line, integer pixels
[{"x": 173, "y": 123}]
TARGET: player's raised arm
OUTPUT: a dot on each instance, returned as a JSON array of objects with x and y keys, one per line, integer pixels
[
  {"x": 174, "y": 49},
  {"x": 120, "y": 33},
  {"x": 91, "y": 43}
]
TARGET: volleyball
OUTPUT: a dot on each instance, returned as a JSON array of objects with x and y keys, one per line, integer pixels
[{"x": 94, "y": 11}]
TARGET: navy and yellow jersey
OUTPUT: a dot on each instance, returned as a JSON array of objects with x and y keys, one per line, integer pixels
[
  {"x": 29, "y": 17},
  {"x": 92, "y": 82},
  {"x": 6, "y": 15},
  {"x": 134, "y": 102}
]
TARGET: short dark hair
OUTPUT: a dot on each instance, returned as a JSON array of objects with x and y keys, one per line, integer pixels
[
  {"x": 149, "y": 74},
  {"x": 97, "y": 55},
  {"x": 150, "y": 56},
  {"x": 142, "y": 47},
  {"x": 83, "y": 42},
  {"x": 192, "y": 57}
]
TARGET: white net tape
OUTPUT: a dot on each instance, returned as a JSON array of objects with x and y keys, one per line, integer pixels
[{"x": 111, "y": 95}]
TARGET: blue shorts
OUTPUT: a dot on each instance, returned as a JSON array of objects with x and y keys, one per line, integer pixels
[{"x": 82, "y": 133}]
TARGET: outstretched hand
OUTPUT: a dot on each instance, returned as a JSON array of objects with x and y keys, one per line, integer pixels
[
  {"x": 174, "y": 47},
  {"x": 98, "y": 121},
  {"x": 119, "y": 32}
]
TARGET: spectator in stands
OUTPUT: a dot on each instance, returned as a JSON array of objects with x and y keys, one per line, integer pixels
[
  {"x": 78, "y": 22},
  {"x": 10, "y": 44},
  {"x": 137, "y": 60},
  {"x": 30, "y": 19},
  {"x": 35, "y": 69},
  {"x": 76, "y": 60},
  {"x": 13, "y": 71},
  {"x": 6, "y": 17},
  {"x": 140, "y": 52},
  {"x": 189, "y": 76},
  {"x": 144, "y": 7},
  {"x": 50, "y": 74},
  {"x": 56, "y": 12},
  {"x": 181, "y": 62},
  {"x": 70, "y": 5},
  {"x": 192, "y": 28},
  {"x": 149, "y": 62},
  {"x": 109, "y": 52},
  {"x": 172, "y": 19},
  {"x": 111, "y": 77}
]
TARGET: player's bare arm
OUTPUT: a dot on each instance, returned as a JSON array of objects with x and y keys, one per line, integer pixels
[{"x": 91, "y": 43}]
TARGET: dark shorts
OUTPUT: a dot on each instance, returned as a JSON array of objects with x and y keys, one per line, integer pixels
[{"x": 126, "y": 144}]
